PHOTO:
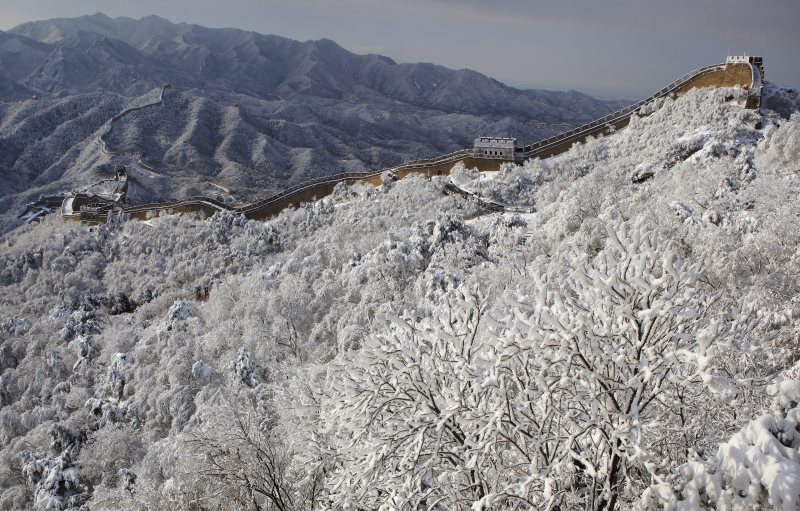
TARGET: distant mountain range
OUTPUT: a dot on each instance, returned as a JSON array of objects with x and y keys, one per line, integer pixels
[{"x": 246, "y": 114}]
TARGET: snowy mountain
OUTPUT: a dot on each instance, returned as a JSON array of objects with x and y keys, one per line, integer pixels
[
  {"x": 269, "y": 66},
  {"x": 632, "y": 343},
  {"x": 246, "y": 113}
]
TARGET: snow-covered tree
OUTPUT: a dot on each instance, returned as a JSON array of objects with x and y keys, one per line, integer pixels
[
  {"x": 757, "y": 468},
  {"x": 237, "y": 461},
  {"x": 578, "y": 395}
]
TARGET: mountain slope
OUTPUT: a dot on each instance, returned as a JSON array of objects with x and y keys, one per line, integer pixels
[
  {"x": 264, "y": 65},
  {"x": 131, "y": 388},
  {"x": 246, "y": 115},
  {"x": 246, "y": 112}
]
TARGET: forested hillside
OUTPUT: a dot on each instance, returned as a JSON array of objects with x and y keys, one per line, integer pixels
[{"x": 632, "y": 343}]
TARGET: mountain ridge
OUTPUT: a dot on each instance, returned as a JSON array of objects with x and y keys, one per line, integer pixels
[
  {"x": 217, "y": 41},
  {"x": 246, "y": 112}
]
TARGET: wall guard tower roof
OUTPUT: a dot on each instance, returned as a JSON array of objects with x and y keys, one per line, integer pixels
[{"x": 496, "y": 142}]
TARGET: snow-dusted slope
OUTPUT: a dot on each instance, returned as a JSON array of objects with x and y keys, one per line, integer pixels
[
  {"x": 266, "y": 66},
  {"x": 125, "y": 387},
  {"x": 251, "y": 113}
]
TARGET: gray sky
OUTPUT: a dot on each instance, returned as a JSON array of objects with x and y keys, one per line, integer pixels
[{"x": 609, "y": 48}]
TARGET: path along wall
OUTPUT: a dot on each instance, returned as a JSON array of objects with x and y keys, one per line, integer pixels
[{"x": 731, "y": 75}]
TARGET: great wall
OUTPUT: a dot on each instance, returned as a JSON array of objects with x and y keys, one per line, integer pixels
[{"x": 488, "y": 154}]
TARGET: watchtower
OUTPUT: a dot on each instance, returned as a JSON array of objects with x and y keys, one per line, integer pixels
[{"x": 495, "y": 148}]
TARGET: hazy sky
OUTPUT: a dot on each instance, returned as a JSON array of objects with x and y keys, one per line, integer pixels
[{"x": 610, "y": 48}]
